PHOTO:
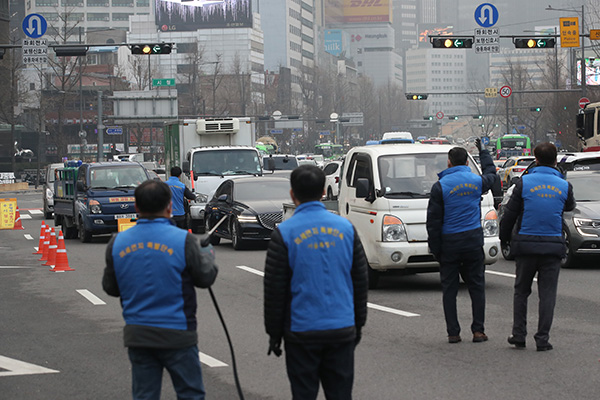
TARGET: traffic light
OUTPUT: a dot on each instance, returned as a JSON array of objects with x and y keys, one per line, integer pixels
[
  {"x": 70, "y": 51},
  {"x": 452, "y": 42},
  {"x": 428, "y": 118},
  {"x": 412, "y": 96},
  {"x": 536, "y": 109},
  {"x": 452, "y": 117},
  {"x": 152, "y": 48},
  {"x": 535, "y": 43},
  {"x": 477, "y": 116}
]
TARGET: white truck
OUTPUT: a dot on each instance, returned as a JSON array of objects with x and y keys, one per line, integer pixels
[{"x": 209, "y": 151}]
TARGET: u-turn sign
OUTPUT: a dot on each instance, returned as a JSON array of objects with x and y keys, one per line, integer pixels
[
  {"x": 486, "y": 15},
  {"x": 34, "y": 26}
]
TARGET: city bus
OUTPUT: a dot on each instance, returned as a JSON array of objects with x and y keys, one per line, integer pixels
[
  {"x": 513, "y": 145},
  {"x": 329, "y": 151}
]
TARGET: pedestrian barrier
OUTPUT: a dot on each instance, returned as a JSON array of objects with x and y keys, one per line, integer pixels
[
  {"x": 51, "y": 250},
  {"x": 41, "y": 243},
  {"x": 46, "y": 244},
  {"x": 62, "y": 262}
]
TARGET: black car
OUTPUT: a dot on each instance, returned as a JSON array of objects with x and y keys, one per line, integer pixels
[{"x": 252, "y": 207}]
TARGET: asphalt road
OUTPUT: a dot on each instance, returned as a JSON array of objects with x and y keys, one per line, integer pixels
[{"x": 69, "y": 332}]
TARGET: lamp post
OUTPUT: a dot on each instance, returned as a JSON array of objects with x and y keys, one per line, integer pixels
[{"x": 582, "y": 35}]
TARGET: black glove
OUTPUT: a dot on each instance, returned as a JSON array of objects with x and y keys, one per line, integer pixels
[
  {"x": 478, "y": 144},
  {"x": 274, "y": 346},
  {"x": 358, "y": 337}
]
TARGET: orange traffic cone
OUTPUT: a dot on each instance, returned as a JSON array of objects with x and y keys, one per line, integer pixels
[
  {"x": 62, "y": 262},
  {"x": 51, "y": 249},
  {"x": 41, "y": 244},
  {"x": 46, "y": 244},
  {"x": 18, "y": 223}
]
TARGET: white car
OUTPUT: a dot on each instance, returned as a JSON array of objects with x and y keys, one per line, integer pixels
[{"x": 332, "y": 179}]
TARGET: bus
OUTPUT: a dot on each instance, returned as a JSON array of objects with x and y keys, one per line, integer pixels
[
  {"x": 513, "y": 145},
  {"x": 329, "y": 151}
]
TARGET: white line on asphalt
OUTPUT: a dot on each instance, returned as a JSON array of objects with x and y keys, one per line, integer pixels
[
  {"x": 392, "y": 310},
  {"x": 370, "y": 305},
  {"x": 91, "y": 297},
  {"x": 26, "y": 216},
  {"x": 11, "y": 266},
  {"x": 12, "y": 367},
  {"x": 28, "y": 237},
  {"x": 210, "y": 361},
  {"x": 36, "y": 212},
  {"x": 251, "y": 270},
  {"x": 504, "y": 274}
]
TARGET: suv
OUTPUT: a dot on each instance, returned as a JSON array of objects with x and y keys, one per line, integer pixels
[{"x": 48, "y": 192}]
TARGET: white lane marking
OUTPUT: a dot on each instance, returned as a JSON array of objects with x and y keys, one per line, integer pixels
[
  {"x": 15, "y": 367},
  {"x": 392, "y": 310},
  {"x": 11, "y": 266},
  {"x": 370, "y": 305},
  {"x": 28, "y": 237},
  {"x": 36, "y": 212},
  {"x": 504, "y": 274},
  {"x": 91, "y": 297},
  {"x": 26, "y": 216},
  {"x": 251, "y": 270},
  {"x": 211, "y": 361}
]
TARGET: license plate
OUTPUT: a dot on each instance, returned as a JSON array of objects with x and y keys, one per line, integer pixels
[{"x": 126, "y": 216}]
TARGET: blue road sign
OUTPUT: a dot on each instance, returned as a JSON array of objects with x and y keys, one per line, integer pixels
[
  {"x": 114, "y": 130},
  {"x": 485, "y": 140},
  {"x": 486, "y": 15},
  {"x": 34, "y": 26},
  {"x": 274, "y": 131}
]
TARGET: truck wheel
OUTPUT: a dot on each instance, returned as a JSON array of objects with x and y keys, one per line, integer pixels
[
  {"x": 84, "y": 235},
  {"x": 373, "y": 278}
]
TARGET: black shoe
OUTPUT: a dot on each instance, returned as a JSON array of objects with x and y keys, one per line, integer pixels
[
  {"x": 517, "y": 343},
  {"x": 454, "y": 339},
  {"x": 545, "y": 347}
]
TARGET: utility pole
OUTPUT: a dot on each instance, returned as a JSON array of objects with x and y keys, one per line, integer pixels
[{"x": 100, "y": 128}]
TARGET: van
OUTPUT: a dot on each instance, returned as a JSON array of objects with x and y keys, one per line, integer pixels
[
  {"x": 384, "y": 192},
  {"x": 397, "y": 137}
]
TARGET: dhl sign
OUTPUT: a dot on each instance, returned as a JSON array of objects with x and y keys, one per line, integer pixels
[{"x": 367, "y": 11}]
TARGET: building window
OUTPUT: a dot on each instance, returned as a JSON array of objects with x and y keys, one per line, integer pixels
[
  {"x": 121, "y": 16},
  {"x": 98, "y": 17},
  {"x": 98, "y": 3},
  {"x": 47, "y": 3},
  {"x": 142, "y": 3},
  {"x": 122, "y": 3},
  {"x": 31, "y": 86}
]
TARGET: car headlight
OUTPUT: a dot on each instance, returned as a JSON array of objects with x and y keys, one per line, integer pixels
[
  {"x": 49, "y": 194},
  {"x": 490, "y": 224},
  {"x": 393, "y": 230},
  {"x": 586, "y": 226},
  {"x": 95, "y": 207},
  {"x": 245, "y": 219},
  {"x": 201, "y": 198}
]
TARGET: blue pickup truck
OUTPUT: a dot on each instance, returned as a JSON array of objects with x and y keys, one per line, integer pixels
[{"x": 89, "y": 199}]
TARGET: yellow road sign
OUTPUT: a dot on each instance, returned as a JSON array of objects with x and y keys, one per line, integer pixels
[
  {"x": 491, "y": 92},
  {"x": 569, "y": 32},
  {"x": 594, "y": 34},
  {"x": 8, "y": 209}
]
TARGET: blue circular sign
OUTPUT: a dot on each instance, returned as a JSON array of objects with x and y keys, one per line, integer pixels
[
  {"x": 486, "y": 15},
  {"x": 34, "y": 26}
]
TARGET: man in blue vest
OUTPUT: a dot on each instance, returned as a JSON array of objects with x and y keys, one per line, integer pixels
[
  {"x": 154, "y": 268},
  {"x": 315, "y": 292},
  {"x": 532, "y": 223},
  {"x": 455, "y": 236},
  {"x": 180, "y": 193}
]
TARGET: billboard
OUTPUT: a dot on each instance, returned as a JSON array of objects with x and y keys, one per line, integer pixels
[
  {"x": 592, "y": 72},
  {"x": 360, "y": 11},
  {"x": 333, "y": 41},
  {"x": 182, "y": 15}
]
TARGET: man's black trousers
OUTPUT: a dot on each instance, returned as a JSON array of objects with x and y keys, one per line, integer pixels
[{"x": 332, "y": 364}]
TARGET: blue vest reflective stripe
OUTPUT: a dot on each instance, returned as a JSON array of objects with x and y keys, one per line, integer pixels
[
  {"x": 177, "y": 189},
  {"x": 149, "y": 263},
  {"x": 320, "y": 252},
  {"x": 461, "y": 190},
  {"x": 544, "y": 195}
]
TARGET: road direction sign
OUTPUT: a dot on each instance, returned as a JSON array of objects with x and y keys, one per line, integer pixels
[
  {"x": 594, "y": 34},
  {"x": 114, "y": 130},
  {"x": 276, "y": 131},
  {"x": 583, "y": 101},
  {"x": 569, "y": 31},
  {"x": 487, "y": 40},
  {"x": 34, "y": 26},
  {"x": 439, "y": 115},
  {"x": 486, "y": 15},
  {"x": 163, "y": 82},
  {"x": 505, "y": 91},
  {"x": 485, "y": 140},
  {"x": 356, "y": 119},
  {"x": 35, "y": 51},
  {"x": 491, "y": 92}
]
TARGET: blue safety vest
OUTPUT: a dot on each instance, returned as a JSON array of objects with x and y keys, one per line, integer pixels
[
  {"x": 177, "y": 190},
  {"x": 461, "y": 190}
]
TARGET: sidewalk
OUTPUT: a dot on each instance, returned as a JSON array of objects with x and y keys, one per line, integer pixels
[{"x": 19, "y": 188}]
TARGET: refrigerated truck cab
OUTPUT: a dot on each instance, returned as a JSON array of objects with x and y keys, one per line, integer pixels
[
  {"x": 588, "y": 126},
  {"x": 210, "y": 150},
  {"x": 384, "y": 192}
]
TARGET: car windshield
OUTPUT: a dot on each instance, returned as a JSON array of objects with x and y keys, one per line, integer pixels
[
  {"x": 585, "y": 186},
  {"x": 525, "y": 161},
  {"x": 281, "y": 163},
  {"x": 226, "y": 162},
  {"x": 262, "y": 190},
  {"x": 412, "y": 175},
  {"x": 114, "y": 177}
]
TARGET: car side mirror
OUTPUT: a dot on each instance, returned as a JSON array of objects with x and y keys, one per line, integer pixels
[
  {"x": 185, "y": 167},
  {"x": 362, "y": 188}
]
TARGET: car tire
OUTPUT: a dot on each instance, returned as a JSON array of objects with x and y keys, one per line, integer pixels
[
  {"x": 236, "y": 235},
  {"x": 330, "y": 195},
  {"x": 570, "y": 259},
  {"x": 85, "y": 236},
  {"x": 196, "y": 226},
  {"x": 505, "y": 249},
  {"x": 68, "y": 233},
  {"x": 373, "y": 278}
]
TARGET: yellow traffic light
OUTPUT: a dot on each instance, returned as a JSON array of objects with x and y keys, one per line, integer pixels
[
  {"x": 531, "y": 43},
  {"x": 147, "y": 49},
  {"x": 448, "y": 43}
]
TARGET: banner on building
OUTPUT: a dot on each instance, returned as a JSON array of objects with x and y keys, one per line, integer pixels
[
  {"x": 178, "y": 15},
  {"x": 361, "y": 11},
  {"x": 333, "y": 41}
]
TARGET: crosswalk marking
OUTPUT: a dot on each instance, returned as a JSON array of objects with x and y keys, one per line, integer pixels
[
  {"x": 26, "y": 216},
  {"x": 36, "y": 212},
  {"x": 28, "y": 236},
  {"x": 210, "y": 361},
  {"x": 95, "y": 300}
]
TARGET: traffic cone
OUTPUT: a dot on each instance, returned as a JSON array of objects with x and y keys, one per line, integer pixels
[
  {"x": 51, "y": 249},
  {"x": 41, "y": 244},
  {"x": 46, "y": 244},
  {"x": 18, "y": 223},
  {"x": 62, "y": 262}
]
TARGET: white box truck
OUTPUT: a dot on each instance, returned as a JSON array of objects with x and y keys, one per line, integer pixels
[{"x": 210, "y": 150}]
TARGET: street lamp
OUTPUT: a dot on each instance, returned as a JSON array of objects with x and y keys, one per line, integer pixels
[{"x": 582, "y": 34}]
